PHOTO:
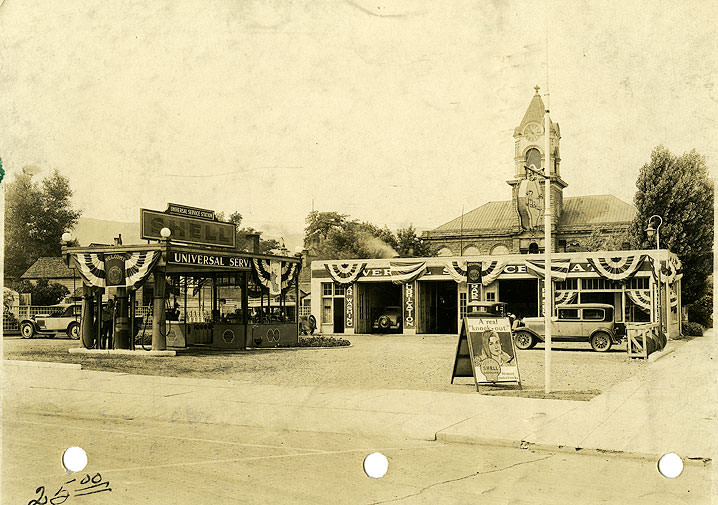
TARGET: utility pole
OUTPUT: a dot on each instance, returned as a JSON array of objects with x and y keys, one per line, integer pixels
[{"x": 548, "y": 292}]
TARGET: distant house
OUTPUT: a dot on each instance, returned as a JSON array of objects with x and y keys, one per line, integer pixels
[{"x": 53, "y": 269}]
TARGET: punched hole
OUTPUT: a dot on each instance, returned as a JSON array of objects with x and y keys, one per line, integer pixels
[
  {"x": 376, "y": 465},
  {"x": 74, "y": 459},
  {"x": 670, "y": 465}
]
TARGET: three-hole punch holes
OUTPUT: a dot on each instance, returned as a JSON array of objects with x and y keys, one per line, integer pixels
[
  {"x": 670, "y": 465},
  {"x": 74, "y": 459},
  {"x": 376, "y": 465}
]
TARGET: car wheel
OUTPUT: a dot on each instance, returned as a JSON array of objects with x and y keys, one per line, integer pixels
[
  {"x": 27, "y": 330},
  {"x": 384, "y": 323},
  {"x": 524, "y": 340},
  {"x": 73, "y": 331},
  {"x": 601, "y": 341}
]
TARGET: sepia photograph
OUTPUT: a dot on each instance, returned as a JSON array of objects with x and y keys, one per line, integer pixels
[{"x": 353, "y": 252}]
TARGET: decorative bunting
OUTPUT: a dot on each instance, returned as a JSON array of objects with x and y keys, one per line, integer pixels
[
  {"x": 616, "y": 269},
  {"x": 275, "y": 275},
  {"x": 641, "y": 298},
  {"x": 138, "y": 267},
  {"x": 671, "y": 271},
  {"x": 564, "y": 297},
  {"x": 91, "y": 268},
  {"x": 406, "y": 271},
  {"x": 456, "y": 270},
  {"x": 346, "y": 273},
  {"x": 490, "y": 271},
  {"x": 559, "y": 268}
]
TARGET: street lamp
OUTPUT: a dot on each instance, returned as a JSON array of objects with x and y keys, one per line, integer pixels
[
  {"x": 651, "y": 230},
  {"x": 66, "y": 239}
]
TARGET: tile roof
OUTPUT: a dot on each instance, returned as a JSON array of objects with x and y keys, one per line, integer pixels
[
  {"x": 48, "y": 267},
  {"x": 595, "y": 210},
  {"x": 491, "y": 215},
  {"x": 589, "y": 210}
]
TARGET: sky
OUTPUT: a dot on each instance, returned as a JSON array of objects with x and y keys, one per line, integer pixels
[{"x": 395, "y": 113}]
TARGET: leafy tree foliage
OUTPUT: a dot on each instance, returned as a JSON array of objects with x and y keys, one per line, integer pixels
[
  {"x": 36, "y": 216},
  {"x": 607, "y": 240},
  {"x": 43, "y": 292},
  {"x": 244, "y": 235},
  {"x": 680, "y": 190},
  {"x": 331, "y": 235}
]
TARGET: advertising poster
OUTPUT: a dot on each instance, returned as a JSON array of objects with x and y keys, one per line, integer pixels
[{"x": 493, "y": 356}]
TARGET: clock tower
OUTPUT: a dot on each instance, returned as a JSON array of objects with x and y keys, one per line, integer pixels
[{"x": 529, "y": 151}]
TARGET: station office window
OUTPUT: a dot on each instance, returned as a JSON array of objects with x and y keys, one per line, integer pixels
[
  {"x": 329, "y": 292},
  {"x": 490, "y": 296}
]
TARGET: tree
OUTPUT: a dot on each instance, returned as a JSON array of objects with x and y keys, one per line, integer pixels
[
  {"x": 36, "y": 216},
  {"x": 43, "y": 292},
  {"x": 607, "y": 240},
  {"x": 320, "y": 224},
  {"x": 680, "y": 190},
  {"x": 408, "y": 244}
]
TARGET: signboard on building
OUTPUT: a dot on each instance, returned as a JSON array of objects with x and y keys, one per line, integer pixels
[
  {"x": 349, "y": 306},
  {"x": 486, "y": 352},
  {"x": 230, "y": 261},
  {"x": 409, "y": 305},
  {"x": 186, "y": 229},
  {"x": 184, "y": 210},
  {"x": 473, "y": 282}
]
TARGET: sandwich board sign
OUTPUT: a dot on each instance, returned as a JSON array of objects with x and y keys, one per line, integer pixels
[{"x": 486, "y": 351}]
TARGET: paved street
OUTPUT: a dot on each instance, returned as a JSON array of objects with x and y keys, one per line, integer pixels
[{"x": 158, "y": 462}]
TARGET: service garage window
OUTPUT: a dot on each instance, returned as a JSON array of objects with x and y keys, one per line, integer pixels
[
  {"x": 462, "y": 304},
  {"x": 490, "y": 296}
]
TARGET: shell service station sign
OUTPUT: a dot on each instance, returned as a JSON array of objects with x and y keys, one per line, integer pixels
[
  {"x": 486, "y": 351},
  {"x": 191, "y": 230}
]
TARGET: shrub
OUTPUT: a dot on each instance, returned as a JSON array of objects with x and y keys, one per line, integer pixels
[
  {"x": 322, "y": 342},
  {"x": 691, "y": 329},
  {"x": 702, "y": 311}
]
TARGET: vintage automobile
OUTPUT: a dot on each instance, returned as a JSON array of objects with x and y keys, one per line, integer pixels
[
  {"x": 388, "y": 319},
  {"x": 65, "y": 319},
  {"x": 592, "y": 322}
]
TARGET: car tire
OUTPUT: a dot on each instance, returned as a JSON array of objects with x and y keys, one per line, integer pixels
[
  {"x": 384, "y": 323},
  {"x": 524, "y": 340},
  {"x": 601, "y": 341},
  {"x": 73, "y": 331},
  {"x": 27, "y": 330}
]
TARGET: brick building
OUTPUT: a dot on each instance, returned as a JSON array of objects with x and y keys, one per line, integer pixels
[{"x": 516, "y": 226}]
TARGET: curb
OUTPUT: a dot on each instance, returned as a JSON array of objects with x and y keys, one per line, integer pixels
[
  {"x": 121, "y": 352},
  {"x": 653, "y": 357},
  {"x": 42, "y": 364},
  {"x": 566, "y": 449}
]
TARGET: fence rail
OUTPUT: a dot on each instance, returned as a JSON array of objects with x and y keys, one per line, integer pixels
[
  {"x": 11, "y": 320},
  {"x": 643, "y": 339}
]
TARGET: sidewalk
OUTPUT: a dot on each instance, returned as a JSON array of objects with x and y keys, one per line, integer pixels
[{"x": 669, "y": 407}]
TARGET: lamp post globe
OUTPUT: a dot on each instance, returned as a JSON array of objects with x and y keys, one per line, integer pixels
[
  {"x": 655, "y": 230},
  {"x": 165, "y": 233},
  {"x": 66, "y": 237}
]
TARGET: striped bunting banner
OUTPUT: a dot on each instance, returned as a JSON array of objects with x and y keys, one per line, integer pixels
[
  {"x": 346, "y": 273},
  {"x": 559, "y": 268},
  {"x": 616, "y": 269},
  {"x": 640, "y": 297},
  {"x": 138, "y": 266},
  {"x": 91, "y": 267},
  {"x": 406, "y": 271},
  {"x": 564, "y": 297},
  {"x": 490, "y": 270}
]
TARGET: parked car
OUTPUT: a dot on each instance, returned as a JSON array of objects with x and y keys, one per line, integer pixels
[
  {"x": 388, "y": 319},
  {"x": 66, "y": 319},
  {"x": 591, "y": 322}
]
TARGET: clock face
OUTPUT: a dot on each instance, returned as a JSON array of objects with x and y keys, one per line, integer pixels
[{"x": 533, "y": 131}]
